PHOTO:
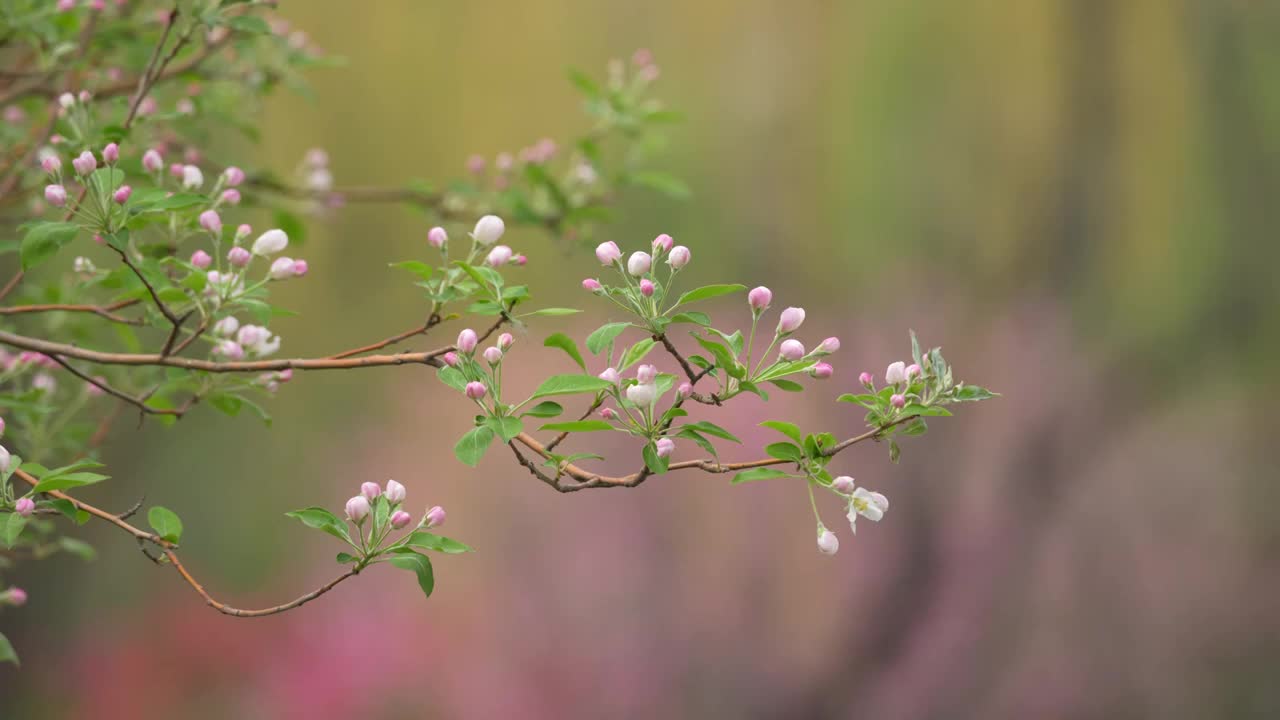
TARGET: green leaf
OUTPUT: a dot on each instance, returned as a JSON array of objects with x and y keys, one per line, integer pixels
[
  {"x": 973, "y": 393},
  {"x": 417, "y": 563},
  {"x": 7, "y": 653},
  {"x": 79, "y": 548},
  {"x": 226, "y": 403},
  {"x": 505, "y": 427},
  {"x": 166, "y": 523},
  {"x": 452, "y": 377},
  {"x": 570, "y": 385},
  {"x": 784, "y": 451},
  {"x": 712, "y": 429},
  {"x": 709, "y": 291},
  {"x": 787, "y": 385},
  {"x": 321, "y": 519},
  {"x": 13, "y": 524},
  {"x": 692, "y": 316},
  {"x": 551, "y": 312},
  {"x": 763, "y": 473},
  {"x": 724, "y": 358},
  {"x": 473, "y": 445},
  {"x": 546, "y": 408},
  {"x": 566, "y": 343},
  {"x": 791, "y": 430},
  {"x": 867, "y": 401},
  {"x": 345, "y": 558},
  {"x": 416, "y": 267},
  {"x": 44, "y": 239},
  {"x": 68, "y": 480},
  {"x": 249, "y": 24},
  {"x": 895, "y": 452},
  {"x": 436, "y": 543},
  {"x": 605, "y": 334},
  {"x": 657, "y": 465},
  {"x": 635, "y": 353},
  {"x": 585, "y": 83},
  {"x": 930, "y": 410},
  {"x": 578, "y": 426}
]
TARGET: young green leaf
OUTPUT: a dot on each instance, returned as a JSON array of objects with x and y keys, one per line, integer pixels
[
  {"x": 763, "y": 473},
  {"x": 566, "y": 343},
  {"x": 7, "y": 653},
  {"x": 506, "y": 428},
  {"x": 44, "y": 239},
  {"x": 636, "y": 353},
  {"x": 708, "y": 291},
  {"x": 166, "y": 523},
  {"x": 473, "y": 445},
  {"x": 546, "y": 408},
  {"x": 12, "y": 528},
  {"x": 605, "y": 334},
  {"x": 438, "y": 543},
  {"x": 791, "y": 430},
  {"x": 321, "y": 519},
  {"x": 417, "y": 563},
  {"x": 570, "y": 385},
  {"x": 784, "y": 451},
  {"x": 578, "y": 426}
]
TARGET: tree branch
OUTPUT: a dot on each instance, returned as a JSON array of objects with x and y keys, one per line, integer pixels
[{"x": 102, "y": 311}]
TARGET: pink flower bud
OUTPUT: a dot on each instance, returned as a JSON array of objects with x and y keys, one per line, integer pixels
[
  {"x": 238, "y": 256},
  {"x": 5, "y": 459},
  {"x": 176, "y": 169},
  {"x": 759, "y": 298},
  {"x": 85, "y": 163},
  {"x": 843, "y": 484},
  {"x": 437, "y": 237},
  {"x": 608, "y": 253},
  {"x": 51, "y": 164},
  {"x": 300, "y": 268},
  {"x": 821, "y": 371},
  {"x": 16, "y": 596},
  {"x": 639, "y": 263},
  {"x": 865, "y": 378},
  {"x": 210, "y": 221},
  {"x": 451, "y": 359},
  {"x": 499, "y": 256},
  {"x": 370, "y": 490},
  {"x": 476, "y": 390},
  {"x": 664, "y": 447},
  {"x": 662, "y": 243},
  {"x": 792, "y": 319},
  {"x": 227, "y": 326},
  {"x": 281, "y": 268},
  {"x": 201, "y": 259},
  {"x": 467, "y": 341},
  {"x": 791, "y": 350},
  {"x": 55, "y": 195},
  {"x": 24, "y": 507},
  {"x": 828, "y": 543},
  {"x": 913, "y": 370},
  {"x": 475, "y": 164},
  {"x": 610, "y": 375},
  {"x": 519, "y": 260},
  {"x": 488, "y": 229},
  {"x": 231, "y": 196},
  {"x": 608, "y": 413},
  {"x": 2, "y": 419},
  {"x": 357, "y": 509},
  {"x": 151, "y": 161},
  {"x": 243, "y": 231},
  {"x": 646, "y": 374},
  {"x": 899, "y": 400},
  {"x": 591, "y": 284},
  {"x": 111, "y": 153},
  {"x": 505, "y": 341},
  {"x": 285, "y": 375},
  {"x": 829, "y": 345},
  {"x": 679, "y": 257},
  {"x": 229, "y": 349},
  {"x": 395, "y": 492},
  {"x": 233, "y": 175},
  {"x": 270, "y": 242},
  {"x": 492, "y": 355},
  {"x": 400, "y": 519},
  {"x": 122, "y": 194},
  {"x": 685, "y": 389},
  {"x": 435, "y": 517},
  {"x": 646, "y": 287}
]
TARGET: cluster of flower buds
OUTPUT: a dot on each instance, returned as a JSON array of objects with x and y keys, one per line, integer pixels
[
  {"x": 858, "y": 501},
  {"x": 642, "y": 288},
  {"x": 479, "y": 379},
  {"x": 899, "y": 376},
  {"x": 359, "y": 507},
  {"x": 14, "y": 596},
  {"x": 791, "y": 349}
]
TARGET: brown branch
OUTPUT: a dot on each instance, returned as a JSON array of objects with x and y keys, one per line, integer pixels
[
  {"x": 421, "y": 330},
  {"x": 168, "y": 550},
  {"x": 148, "y": 78},
  {"x": 102, "y": 311},
  {"x": 104, "y": 387}
]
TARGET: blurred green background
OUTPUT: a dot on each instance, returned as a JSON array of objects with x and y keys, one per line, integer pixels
[{"x": 1073, "y": 198}]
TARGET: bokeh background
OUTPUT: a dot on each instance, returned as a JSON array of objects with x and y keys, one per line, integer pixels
[{"x": 1075, "y": 198}]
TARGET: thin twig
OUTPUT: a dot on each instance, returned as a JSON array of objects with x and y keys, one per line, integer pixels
[
  {"x": 102, "y": 311},
  {"x": 104, "y": 387}
]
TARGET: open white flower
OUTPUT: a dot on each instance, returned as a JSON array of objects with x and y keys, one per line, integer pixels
[
  {"x": 868, "y": 504},
  {"x": 642, "y": 394},
  {"x": 895, "y": 373}
]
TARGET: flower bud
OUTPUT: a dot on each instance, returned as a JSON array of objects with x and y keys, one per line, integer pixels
[
  {"x": 5, "y": 459},
  {"x": 505, "y": 341},
  {"x": 51, "y": 164},
  {"x": 643, "y": 394},
  {"x": 662, "y": 243},
  {"x": 2, "y": 362},
  {"x": 828, "y": 543},
  {"x": 865, "y": 378},
  {"x": 492, "y": 355},
  {"x": 821, "y": 371},
  {"x": 282, "y": 268},
  {"x": 843, "y": 484},
  {"x": 829, "y": 345},
  {"x": 111, "y": 153},
  {"x": 608, "y": 413},
  {"x": 646, "y": 287},
  {"x": 233, "y": 175},
  {"x": 24, "y": 506},
  {"x": 451, "y": 359},
  {"x": 664, "y": 447},
  {"x": 121, "y": 195},
  {"x": 400, "y": 519},
  {"x": 395, "y": 492},
  {"x": 15, "y": 596},
  {"x": 300, "y": 268},
  {"x": 791, "y": 350},
  {"x": 227, "y": 326},
  {"x": 357, "y": 509},
  {"x": 176, "y": 170},
  {"x": 499, "y": 256},
  {"x": 608, "y": 252},
  {"x": 639, "y": 263},
  {"x": 895, "y": 373},
  {"x": 55, "y": 195},
  {"x": 85, "y": 163},
  {"x": 437, "y": 237},
  {"x": 913, "y": 370},
  {"x": 66, "y": 100},
  {"x": 230, "y": 349},
  {"x": 434, "y": 517},
  {"x": 519, "y": 260},
  {"x": 231, "y": 196},
  {"x": 591, "y": 284},
  {"x": 238, "y": 256},
  {"x": 759, "y": 298},
  {"x": 610, "y": 375},
  {"x": 488, "y": 229},
  {"x": 370, "y": 491},
  {"x": 791, "y": 320},
  {"x": 467, "y": 341},
  {"x": 679, "y": 257},
  {"x": 685, "y": 389},
  {"x": 898, "y": 400},
  {"x": 152, "y": 161},
  {"x": 192, "y": 178},
  {"x": 646, "y": 374},
  {"x": 475, "y": 390},
  {"x": 270, "y": 242},
  {"x": 210, "y": 221},
  {"x": 201, "y": 259}
]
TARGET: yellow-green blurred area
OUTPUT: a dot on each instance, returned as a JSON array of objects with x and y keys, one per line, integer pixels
[{"x": 1076, "y": 199}]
